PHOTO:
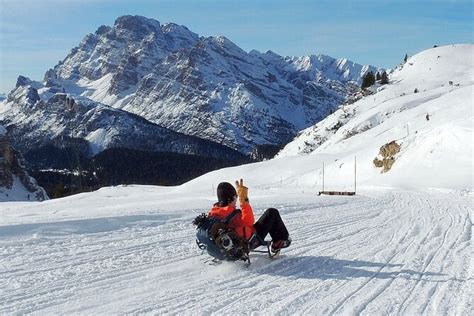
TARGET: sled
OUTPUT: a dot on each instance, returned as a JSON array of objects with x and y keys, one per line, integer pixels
[
  {"x": 213, "y": 261},
  {"x": 222, "y": 243}
]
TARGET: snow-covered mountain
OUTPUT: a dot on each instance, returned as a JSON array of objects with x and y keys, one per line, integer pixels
[
  {"x": 202, "y": 86},
  {"x": 34, "y": 122},
  {"x": 15, "y": 183}
]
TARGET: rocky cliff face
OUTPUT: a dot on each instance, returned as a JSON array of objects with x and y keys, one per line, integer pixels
[
  {"x": 203, "y": 86},
  {"x": 15, "y": 183},
  {"x": 34, "y": 122}
]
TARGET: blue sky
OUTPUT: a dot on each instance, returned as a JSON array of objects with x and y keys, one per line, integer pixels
[{"x": 36, "y": 34}]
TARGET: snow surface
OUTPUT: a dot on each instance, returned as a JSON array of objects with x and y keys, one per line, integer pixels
[
  {"x": 402, "y": 245},
  {"x": 131, "y": 250}
]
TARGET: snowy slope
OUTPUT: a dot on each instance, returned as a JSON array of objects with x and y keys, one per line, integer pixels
[
  {"x": 388, "y": 250},
  {"x": 18, "y": 192},
  {"x": 444, "y": 77}
]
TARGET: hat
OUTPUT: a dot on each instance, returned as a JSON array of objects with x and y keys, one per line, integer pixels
[{"x": 225, "y": 193}]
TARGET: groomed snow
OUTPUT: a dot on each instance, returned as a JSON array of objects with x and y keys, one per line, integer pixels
[{"x": 131, "y": 250}]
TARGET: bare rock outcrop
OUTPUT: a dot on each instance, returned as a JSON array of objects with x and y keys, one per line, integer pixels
[
  {"x": 386, "y": 157},
  {"x": 12, "y": 165}
]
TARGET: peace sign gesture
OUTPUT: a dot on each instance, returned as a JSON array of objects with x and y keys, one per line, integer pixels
[{"x": 239, "y": 184}]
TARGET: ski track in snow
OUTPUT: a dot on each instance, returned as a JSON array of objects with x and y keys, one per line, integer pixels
[{"x": 394, "y": 253}]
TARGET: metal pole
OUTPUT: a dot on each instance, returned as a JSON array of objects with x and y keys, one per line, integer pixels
[
  {"x": 323, "y": 175},
  {"x": 355, "y": 174}
]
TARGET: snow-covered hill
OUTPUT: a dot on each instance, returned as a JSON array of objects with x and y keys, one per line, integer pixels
[
  {"x": 387, "y": 250},
  {"x": 206, "y": 87},
  {"x": 427, "y": 108}
]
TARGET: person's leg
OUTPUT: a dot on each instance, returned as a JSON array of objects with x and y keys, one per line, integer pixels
[{"x": 271, "y": 223}]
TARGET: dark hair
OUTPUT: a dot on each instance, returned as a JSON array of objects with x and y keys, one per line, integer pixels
[{"x": 225, "y": 193}]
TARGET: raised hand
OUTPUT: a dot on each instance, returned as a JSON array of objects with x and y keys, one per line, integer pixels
[{"x": 242, "y": 192}]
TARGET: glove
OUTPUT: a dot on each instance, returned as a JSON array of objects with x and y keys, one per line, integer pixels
[{"x": 242, "y": 192}]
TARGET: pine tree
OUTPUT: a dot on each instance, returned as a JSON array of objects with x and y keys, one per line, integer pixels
[
  {"x": 406, "y": 58},
  {"x": 369, "y": 79},
  {"x": 377, "y": 76}
]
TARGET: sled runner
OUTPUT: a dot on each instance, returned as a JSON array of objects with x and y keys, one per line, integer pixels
[{"x": 267, "y": 244}]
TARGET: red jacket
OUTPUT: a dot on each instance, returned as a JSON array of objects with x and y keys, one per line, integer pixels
[{"x": 242, "y": 223}]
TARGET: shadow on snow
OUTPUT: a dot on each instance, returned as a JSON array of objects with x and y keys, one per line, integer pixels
[{"x": 324, "y": 268}]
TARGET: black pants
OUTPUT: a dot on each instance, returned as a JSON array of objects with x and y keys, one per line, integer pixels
[{"x": 271, "y": 223}]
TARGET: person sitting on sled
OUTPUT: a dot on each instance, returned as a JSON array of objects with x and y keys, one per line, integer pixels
[{"x": 244, "y": 224}]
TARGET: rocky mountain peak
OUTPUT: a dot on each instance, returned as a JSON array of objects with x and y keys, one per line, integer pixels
[
  {"x": 137, "y": 24},
  {"x": 22, "y": 81},
  {"x": 25, "y": 94},
  {"x": 103, "y": 29}
]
